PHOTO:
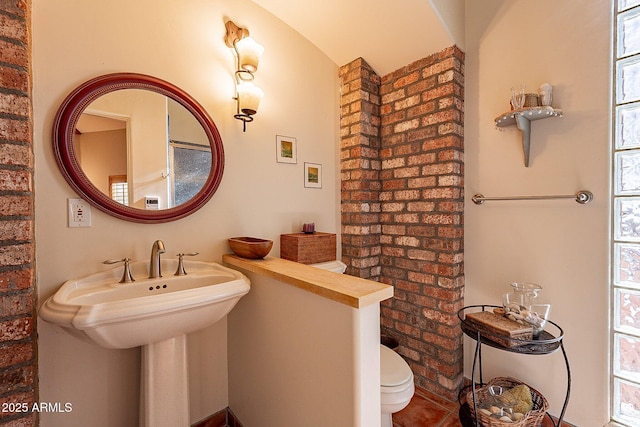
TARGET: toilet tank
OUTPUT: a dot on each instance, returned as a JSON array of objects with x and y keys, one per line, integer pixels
[{"x": 335, "y": 266}]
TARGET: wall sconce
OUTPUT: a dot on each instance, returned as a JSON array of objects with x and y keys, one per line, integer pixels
[{"x": 247, "y": 52}]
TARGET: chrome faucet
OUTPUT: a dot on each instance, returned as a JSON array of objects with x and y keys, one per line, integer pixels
[{"x": 154, "y": 265}]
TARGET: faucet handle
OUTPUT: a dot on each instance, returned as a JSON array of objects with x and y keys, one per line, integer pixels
[
  {"x": 181, "y": 271},
  {"x": 127, "y": 277}
]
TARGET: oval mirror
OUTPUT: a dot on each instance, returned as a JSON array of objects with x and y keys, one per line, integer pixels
[{"x": 138, "y": 148}]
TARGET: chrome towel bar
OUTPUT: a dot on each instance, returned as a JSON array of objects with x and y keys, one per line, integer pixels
[{"x": 582, "y": 197}]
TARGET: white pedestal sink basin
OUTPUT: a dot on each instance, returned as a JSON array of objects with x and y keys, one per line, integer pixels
[{"x": 156, "y": 314}]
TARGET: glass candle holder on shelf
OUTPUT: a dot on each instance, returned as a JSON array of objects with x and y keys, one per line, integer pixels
[
  {"x": 517, "y": 97},
  {"x": 538, "y": 316},
  {"x": 546, "y": 91}
]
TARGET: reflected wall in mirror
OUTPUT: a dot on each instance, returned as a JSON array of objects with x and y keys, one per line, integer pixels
[{"x": 138, "y": 148}]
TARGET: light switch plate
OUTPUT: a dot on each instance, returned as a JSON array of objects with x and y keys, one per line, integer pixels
[{"x": 79, "y": 213}]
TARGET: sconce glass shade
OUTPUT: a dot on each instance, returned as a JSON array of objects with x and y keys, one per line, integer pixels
[
  {"x": 249, "y": 52},
  {"x": 249, "y": 97}
]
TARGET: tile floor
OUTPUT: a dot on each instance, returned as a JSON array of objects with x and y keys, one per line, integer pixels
[{"x": 429, "y": 410}]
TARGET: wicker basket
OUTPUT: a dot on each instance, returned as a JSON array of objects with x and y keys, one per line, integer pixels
[{"x": 533, "y": 418}]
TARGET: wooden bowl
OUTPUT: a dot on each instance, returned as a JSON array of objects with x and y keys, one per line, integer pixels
[{"x": 250, "y": 247}]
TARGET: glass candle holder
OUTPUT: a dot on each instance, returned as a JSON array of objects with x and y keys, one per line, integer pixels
[{"x": 517, "y": 96}]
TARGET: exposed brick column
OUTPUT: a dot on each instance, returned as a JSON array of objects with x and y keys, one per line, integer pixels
[
  {"x": 422, "y": 203},
  {"x": 18, "y": 367},
  {"x": 403, "y": 204},
  {"x": 360, "y": 169}
]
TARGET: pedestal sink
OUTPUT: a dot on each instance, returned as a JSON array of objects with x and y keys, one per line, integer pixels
[{"x": 156, "y": 314}]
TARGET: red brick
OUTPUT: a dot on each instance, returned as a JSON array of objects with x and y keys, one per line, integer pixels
[
  {"x": 391, "y": 118},
  {"x": 406, "y": 80},
  {"x": 13, "y": 28},
  {"x": 15, "y": 205},
  {"x": 19, "y": 397},
  {"x": 14, "y": 53},
  {"x": 14, "y": 79},
  {"x": 15, "y": 104},
  {"x": 407, "y": 218},
  {"x": 16, "y": 155},
  {"x": 15, "y": 7},
  {"x": 406, "y": 172},
  {"x": 15, "y": 130},
  {"x": 16, "y": 305},
  {"x": 405, "y": 103},
  {"x": 406, "y": 195},
  {"x": 406, "y": 125},
  {"x": 15, "y": 180},
  {"x": 16, "y": 230},
  {"x": 422, "y": 182},
  {"x": 14, "y": 354},
  {"x": 16, "y": 378},
  {"x": 16, "y": 329},
  {"x": 16, "y": 255},
  {"x": 13, "y": 280}
]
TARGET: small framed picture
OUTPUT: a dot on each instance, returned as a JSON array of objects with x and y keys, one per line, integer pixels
[
  {"x": 286, "y": 149},
  {"x": 312, "y": 175}
]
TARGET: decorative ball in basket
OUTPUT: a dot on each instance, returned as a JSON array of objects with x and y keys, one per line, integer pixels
[{"x": 508, "y": 402}]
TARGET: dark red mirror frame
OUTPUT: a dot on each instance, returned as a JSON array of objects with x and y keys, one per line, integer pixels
[{"x": 64, "y": 127}]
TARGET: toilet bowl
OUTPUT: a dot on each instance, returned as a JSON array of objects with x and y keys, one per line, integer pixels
[{"x": 396, "y": 378}]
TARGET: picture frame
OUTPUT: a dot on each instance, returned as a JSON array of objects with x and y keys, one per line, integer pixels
[
  {"x": 312, "y": 175},
  {"x": 286, "y": 149}
]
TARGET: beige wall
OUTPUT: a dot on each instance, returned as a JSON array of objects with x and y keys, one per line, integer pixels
[
  {"x": 298, "y": 359},
  {"x": 102, "y": 154},
  {"x": 559, "y": 244},
  {"x": 181, "y": 42}
]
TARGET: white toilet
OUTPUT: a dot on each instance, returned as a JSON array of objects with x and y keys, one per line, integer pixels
[
  {"x": 396, "y": 384},
  {"x": 396, "y": 378}
]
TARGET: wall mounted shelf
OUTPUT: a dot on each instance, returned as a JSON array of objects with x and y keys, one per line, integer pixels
[{"x": 522, "y": 119}]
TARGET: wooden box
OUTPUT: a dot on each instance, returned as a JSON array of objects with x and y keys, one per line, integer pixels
[
  {"x": 498, "y": 328},
  {"x": 308, "y": 248}
]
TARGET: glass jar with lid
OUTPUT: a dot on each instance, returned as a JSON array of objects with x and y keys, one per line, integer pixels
[{"x": 523, "y": 293}]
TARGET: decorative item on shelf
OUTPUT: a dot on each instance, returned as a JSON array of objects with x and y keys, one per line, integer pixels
[
  {"x": 523, "y": 293},
  {"x": 250, "y": 247},
  {"x": 495, "y": 327},
  {"x": 247, "y": 53},
  {"x": 528, "y": 411},
  {"x": 522, "y": 306},
  {"x": 530, "y": 100},
  {"x": 308, "y": 248},
  {"x": 517, "y": 97},
  {"x": 309, "y": 228},
  {"x": 525, "y": 108},
  {"x": 499, "y": 404},
  {"x": 546, "y": 94}
]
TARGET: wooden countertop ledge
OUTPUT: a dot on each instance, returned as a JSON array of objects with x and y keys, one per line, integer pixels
[{"x": 349, "y": 290}]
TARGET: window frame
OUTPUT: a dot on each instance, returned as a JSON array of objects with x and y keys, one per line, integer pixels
[{"x": 620, "y": 195}]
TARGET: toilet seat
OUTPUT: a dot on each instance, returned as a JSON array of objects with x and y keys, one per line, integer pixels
[{"x": 394, "y": 371}]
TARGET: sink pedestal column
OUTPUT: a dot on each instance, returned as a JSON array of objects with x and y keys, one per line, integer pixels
[{"x": 165, "y": 388}]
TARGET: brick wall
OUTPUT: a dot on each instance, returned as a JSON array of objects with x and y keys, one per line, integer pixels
[
  {"x": 360, "y": 169},
  {"x": 18, "y": 367},
  {"x": 421, "y": 204}
]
